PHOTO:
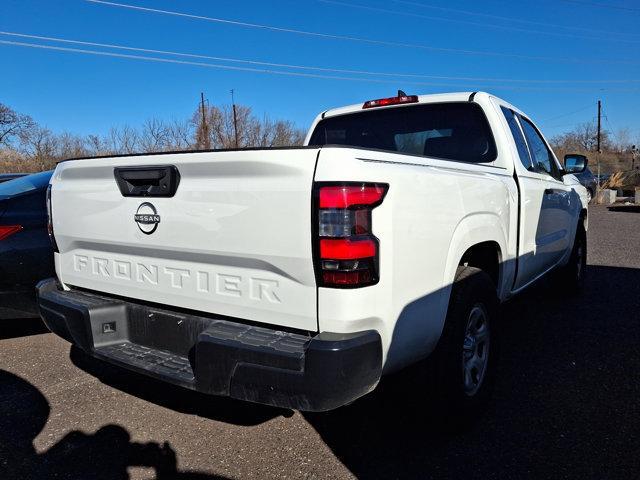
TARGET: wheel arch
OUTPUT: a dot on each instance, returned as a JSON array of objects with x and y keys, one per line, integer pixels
[{"x": 479, "y": 240}]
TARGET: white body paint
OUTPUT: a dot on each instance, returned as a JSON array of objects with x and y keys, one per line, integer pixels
[{"x": 236, "y": 239}]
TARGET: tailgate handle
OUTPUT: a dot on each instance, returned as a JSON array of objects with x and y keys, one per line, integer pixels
[{"x": 157, "y": 181}]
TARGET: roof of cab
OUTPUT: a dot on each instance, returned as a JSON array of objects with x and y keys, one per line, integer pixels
[{"x": 432, "y": 98}]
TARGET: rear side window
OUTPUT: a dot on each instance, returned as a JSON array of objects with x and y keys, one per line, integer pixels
[
  {"x": 452, "y": 131},
  {"x": 521, "y": 144}
]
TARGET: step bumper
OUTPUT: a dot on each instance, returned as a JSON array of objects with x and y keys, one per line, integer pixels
[{"x": 218, "y": 356}]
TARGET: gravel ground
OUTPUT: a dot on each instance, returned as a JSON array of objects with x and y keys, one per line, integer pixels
[{"x": 565, "y": 404}]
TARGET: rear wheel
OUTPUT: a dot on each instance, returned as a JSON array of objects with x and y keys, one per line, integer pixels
[
  {"x": 460, "y": 372},
  {"x": 572, "y": 275}
]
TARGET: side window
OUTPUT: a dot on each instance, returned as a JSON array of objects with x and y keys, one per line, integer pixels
[
  {"x": 521, "y": 144},
  {"x": 539, "y": 150}
]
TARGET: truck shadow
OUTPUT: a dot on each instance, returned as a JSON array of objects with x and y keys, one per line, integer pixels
[
  {"x": 625, "y": 208},
  {"x": 106, "y": 454},
  {"x": 174, "y": 397},
  {"x": 564, "y": 401},
  {"x": 21, "y": 327}
]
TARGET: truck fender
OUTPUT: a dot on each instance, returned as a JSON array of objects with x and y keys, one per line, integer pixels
[
  {"x": 411, "y": 342},
  {"x": 472, "y": 230}
]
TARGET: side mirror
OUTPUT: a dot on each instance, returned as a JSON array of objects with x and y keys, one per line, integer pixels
[{"x": 574, "y": 163}]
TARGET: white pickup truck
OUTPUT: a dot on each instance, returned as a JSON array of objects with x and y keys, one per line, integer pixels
[{"x": 297, "y": 277}]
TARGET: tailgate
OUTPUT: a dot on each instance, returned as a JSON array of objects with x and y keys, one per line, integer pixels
[{"x": 234, "y": 239}]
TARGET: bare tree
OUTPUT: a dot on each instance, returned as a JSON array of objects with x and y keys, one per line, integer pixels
[
  {"x": 180, "y": 135},
  {"x": 252, "y": 132},
  {"x": 12, "y": 125},
  {"x": 583, "y": 138},
  {"x": 286, "y": 134},
  {"x": 202, "y": 126},
  {"x": 96, "y": 145},
  {"x": 41, "y": 146},
  {"x": 222, "y": 126},
  {"x": 70, "y": 146},
  {"x": 38, "y": 148},
  {"x": 622, "y": 140},
  {"x": 154, "y": 136},
  {"x": 123, "y": 140}
]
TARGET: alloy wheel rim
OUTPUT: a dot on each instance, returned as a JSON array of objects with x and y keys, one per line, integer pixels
[{"x": 475, "y": 350}]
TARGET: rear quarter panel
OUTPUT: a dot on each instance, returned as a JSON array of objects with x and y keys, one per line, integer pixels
[{"x": 434, "y": 210}]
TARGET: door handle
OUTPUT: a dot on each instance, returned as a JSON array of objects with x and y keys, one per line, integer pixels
[{"x": 550, "y": 191}]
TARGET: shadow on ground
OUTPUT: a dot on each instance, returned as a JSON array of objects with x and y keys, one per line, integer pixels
[
  {"x": 625, "y": 208},
  {"x": 174, "y": 397},
  {"x": 21, "y": 327},
  {"x": 106, "y": 454},
  {"x": 565, "y": 406},
  {"x": 565, "y": 403}
]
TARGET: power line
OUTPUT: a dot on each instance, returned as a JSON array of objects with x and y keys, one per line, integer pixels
[
  {"x": 477, "y": 24},
  {"x": 216, "y": 66},
  {"x": 286, "y": 73},
  {"x": 570, "y": 113},
  {"x": 564, "y": 125},
  {"x": 606, "y": 117},
  {"x": 509, "y": 19},
  {"x": 603, "y": 5},
  {"x": 313, "y": 68},
  {"x": 357, "y": 39}
]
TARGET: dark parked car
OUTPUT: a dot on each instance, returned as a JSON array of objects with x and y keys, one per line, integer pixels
[
  {"x": 26, "y": 255},
  {"x": 589, "y": 181},
  {"x": 585, "y": 177},
  {"x": 5, "y": 177}
]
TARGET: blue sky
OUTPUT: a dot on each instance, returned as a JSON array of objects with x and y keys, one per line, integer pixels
[{"x": 551, "y": 58}]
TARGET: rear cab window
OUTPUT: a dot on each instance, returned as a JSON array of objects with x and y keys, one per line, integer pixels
[{"x": 456, "y": 131}]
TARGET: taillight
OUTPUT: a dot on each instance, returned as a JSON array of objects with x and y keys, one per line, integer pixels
[
  {"x": 8, "y": 230},
  {"x": 346, "y": 252},
  {"x": 50, "y": 221}
]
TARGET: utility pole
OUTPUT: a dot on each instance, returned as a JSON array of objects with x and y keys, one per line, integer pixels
[
  {"x": 598, "y": 140},
  {"x": 599, "y": 122},
  {"x": 235, "y": 118},
  {"x": 202, "y": 108},
  {"x": 205, "y": 141}
]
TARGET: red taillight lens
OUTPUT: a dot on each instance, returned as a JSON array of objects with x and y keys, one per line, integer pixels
[
  {"x": 347, "y": 279},
  {"x": 345, "y": 196},
  {"x": 8, "y": 230},
  {"x": 54, "y": 245},
  {"x": 383, "y": 102},
  {"x": 347, "y": 251}
]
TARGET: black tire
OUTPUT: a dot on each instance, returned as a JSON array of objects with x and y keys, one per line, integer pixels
[
  {"x": 572, "y": 276},
  {"x": 591, "y": 195},
  {"x": 452, "y": 402}
]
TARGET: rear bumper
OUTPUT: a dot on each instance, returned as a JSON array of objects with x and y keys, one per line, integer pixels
[{"x": 217, "y": 355}]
